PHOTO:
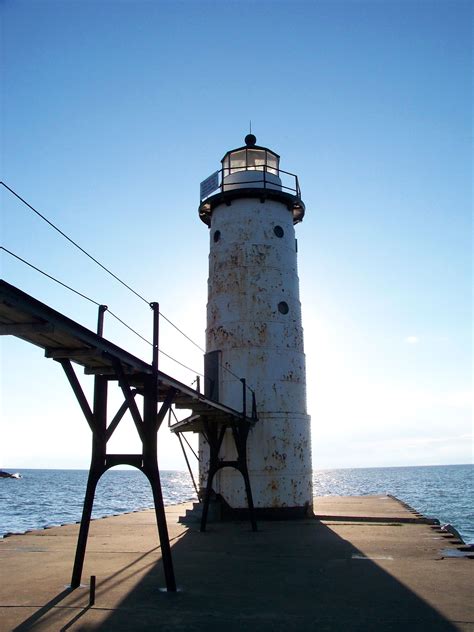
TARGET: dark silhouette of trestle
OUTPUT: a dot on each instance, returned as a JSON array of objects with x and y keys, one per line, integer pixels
[{"x": 68, "y": 342}]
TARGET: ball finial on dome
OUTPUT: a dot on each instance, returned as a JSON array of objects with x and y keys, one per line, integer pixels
[{"x": 250, "y": 140}]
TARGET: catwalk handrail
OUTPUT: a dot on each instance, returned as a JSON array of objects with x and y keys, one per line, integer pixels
[
  {"x": 14, "y": 300},
  {"x": 266, "y": 183}
]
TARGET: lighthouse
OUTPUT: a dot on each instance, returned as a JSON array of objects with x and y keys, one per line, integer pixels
[{"x": 254, "y": 334}]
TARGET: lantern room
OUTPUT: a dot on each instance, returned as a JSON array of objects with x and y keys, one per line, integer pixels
[
  {"x": 251, "y": 171},
  {"x": 250, "y": 158}
]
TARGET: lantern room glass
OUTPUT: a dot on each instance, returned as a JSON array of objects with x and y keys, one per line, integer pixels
[{"x": 250, "y": 159}]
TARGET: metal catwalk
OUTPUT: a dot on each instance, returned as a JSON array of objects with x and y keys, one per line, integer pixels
[{"x": 67, "y": 342}]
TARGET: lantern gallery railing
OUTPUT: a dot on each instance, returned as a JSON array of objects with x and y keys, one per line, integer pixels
[{"x": 230, "y": 178}]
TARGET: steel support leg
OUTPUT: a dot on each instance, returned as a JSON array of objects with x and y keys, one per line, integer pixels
[
  {"x": 97, "y": 420},
  {"x": 93, "y": 479},
  {"x": 153, "y": 475},
  {"x": 147, "y": 429},
  {"x": 207, "y": 496},
  {"x": 248, "y": 491},
  {"x": 152, "y": 420},
  {"x": 215, "y": 441},
  {"x": 240, "y": 438}
]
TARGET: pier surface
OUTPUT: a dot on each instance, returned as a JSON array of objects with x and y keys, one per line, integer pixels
[{"x": 366, "y": 563}]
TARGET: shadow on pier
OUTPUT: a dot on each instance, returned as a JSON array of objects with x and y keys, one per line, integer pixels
[{"x": 287, "y": 576}]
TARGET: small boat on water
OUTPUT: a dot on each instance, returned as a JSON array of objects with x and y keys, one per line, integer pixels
[{"x": 9, "y": 475}]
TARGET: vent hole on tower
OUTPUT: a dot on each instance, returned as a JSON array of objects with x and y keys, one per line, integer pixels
[
  {"x": 279, "y": 232},
  {"x": 283, "y": 307},
  {"x": 217, "y": 236}
]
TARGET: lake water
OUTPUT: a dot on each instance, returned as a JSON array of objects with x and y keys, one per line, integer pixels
[
  {"x": 445, "y": 492},
  {"x": 52, "y": 497}
]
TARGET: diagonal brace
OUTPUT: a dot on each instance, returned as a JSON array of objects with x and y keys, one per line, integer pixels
[
  {"x": 165, "y": 407},
  {"x": 118, "y": 417},
  {"x": 128, "y": 395},
  {"x": 79, "y": 393}
]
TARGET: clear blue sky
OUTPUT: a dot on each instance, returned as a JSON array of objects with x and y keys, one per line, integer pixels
[{"x": 114, "y": 111}]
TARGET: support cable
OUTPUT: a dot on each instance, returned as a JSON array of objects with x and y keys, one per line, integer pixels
[
  {"x": 178, "y": 434},
  {"x": 182, "y": 333},
  {"x": 130, "y": 328},
  {"x": 181, "y": 364},
  {"x": 74, "y": 243},
  {"x": 190, "y": 446},
  {"x": 68, "y": 287},
  {"x": 49, "y": 276}
]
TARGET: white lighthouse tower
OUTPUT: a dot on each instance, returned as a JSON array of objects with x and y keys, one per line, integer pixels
[{"x": 254, "y": 328}]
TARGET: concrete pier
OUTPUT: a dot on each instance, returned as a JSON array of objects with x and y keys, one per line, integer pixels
[{"x": 363, "y": 563}]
